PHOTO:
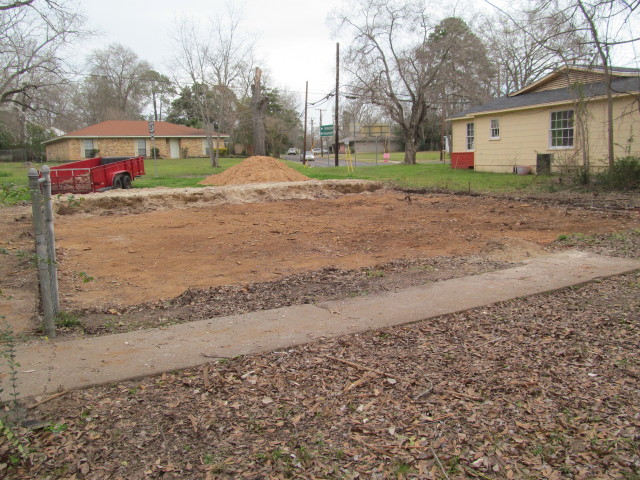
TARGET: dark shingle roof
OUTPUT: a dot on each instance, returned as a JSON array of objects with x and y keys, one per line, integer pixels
[{"x": 619, "y": 85}]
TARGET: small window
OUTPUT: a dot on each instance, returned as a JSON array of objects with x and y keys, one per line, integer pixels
[
  {"x": 495, "y": 128},
  {"x": 88, "y": 148},
  {"x": 562, "y": 129},
  {"x": 470, "y": 136},
  {"x": 141, "y": 147}
]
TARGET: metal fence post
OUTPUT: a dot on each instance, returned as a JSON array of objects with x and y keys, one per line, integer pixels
[
  {"x": 51, "y": 237},
  {"x": 41, "y": 254}
]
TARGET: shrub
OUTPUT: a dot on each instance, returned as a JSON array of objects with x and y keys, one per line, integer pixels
[
  {"x": 583, "y": 176},
  {"x": 623, "y": 175},
  {"x": 10, "y": 193}
]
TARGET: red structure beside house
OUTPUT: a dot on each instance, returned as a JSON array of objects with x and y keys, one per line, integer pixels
[{"x": 462, "y": 160}]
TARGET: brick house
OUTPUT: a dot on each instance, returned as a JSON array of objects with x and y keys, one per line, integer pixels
[
  {"x": 115, "y": 138},
  {"x": 558, "y": 122}
]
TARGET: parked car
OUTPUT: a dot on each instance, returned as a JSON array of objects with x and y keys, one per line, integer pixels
[
  {"x": 308, "y": 156},
  {"x": 292, "y": 151},
  {"x": 316, "y": 151}
]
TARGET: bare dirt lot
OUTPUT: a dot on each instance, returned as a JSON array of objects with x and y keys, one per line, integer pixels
[
  {"x": 540, "y": 387},
  {"x": 128, "y": 248}
]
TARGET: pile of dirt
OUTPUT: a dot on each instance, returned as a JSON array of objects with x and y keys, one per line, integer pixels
[{"x": 256, "y": 169}]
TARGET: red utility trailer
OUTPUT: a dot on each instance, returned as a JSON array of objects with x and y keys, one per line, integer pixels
[{"x": 96, "y": 174}]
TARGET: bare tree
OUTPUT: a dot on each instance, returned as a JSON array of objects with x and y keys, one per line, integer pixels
[
  {"x": 32, "y": 36},
  {"x": 117, "y": 87},
  {"x": 526, "y": 47},
  {"x": 220, "y": 60},
  {"x": 392, "y": 60}
]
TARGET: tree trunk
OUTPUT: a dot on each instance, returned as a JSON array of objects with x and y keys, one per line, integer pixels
[
  {"x": 410, "y": 147},
  {"x": 610, "y": 142},
  {"x": 212, "y": 156},
  {"x": 155, "y": 105},
  {"x": 259, "y": 106}
]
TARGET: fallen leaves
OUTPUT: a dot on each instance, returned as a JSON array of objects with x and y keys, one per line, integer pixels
[{"x": 543, "y": 387}]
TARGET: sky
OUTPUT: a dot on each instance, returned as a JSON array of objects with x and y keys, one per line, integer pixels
[
  {"x": 292, "y": 37},
  {"x": 293, "y": 40}
]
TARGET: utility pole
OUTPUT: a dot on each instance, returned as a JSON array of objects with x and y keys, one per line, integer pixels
[
  {"x": 304, "y": 138},
  {"x": 313, "y": 137},
  {"x": 321, "y": 147},
  {"x": 335, "y": 123}
]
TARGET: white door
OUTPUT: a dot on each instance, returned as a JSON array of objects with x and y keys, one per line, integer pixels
[{"x": 174, "y": 148}]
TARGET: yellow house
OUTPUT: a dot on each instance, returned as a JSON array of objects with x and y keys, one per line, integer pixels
[
  {"x": 115, "y": 138},
  {"x": 558, "y": 122}
]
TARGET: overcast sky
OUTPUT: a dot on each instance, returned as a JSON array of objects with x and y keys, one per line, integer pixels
[
  {"x": 292, "y": 37},
  {"x": 293, "y": 40}
]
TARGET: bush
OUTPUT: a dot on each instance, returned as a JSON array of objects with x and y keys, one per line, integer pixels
[
  {"x": 582, "y": 176},
  {"x": 10, "y": 193},
  {"x": 623, "y": 175}
]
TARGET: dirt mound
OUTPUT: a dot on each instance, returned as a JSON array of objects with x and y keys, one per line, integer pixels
[{"x": 255, "y": 169}]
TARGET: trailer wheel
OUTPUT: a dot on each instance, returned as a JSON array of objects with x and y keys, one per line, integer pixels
[
  {"x": 126, "y": 182},
  {"x": 117, "y": 181}
]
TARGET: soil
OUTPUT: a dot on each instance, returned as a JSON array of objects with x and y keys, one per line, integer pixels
[
  {"x": 257, "y": 169},
  {"x": 539, "y": 387},
  {"x": 125, "y": 255}
]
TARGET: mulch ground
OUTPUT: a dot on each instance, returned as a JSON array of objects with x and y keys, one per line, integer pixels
[{"x": 546, "y": 386}]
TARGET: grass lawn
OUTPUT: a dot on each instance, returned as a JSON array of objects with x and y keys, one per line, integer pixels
[
  {"x": 185, "y": 172},
  {"x": 16, "y": 172},
  {"x": 394, "y": 157},
  {"x": 427, "y": 173}
]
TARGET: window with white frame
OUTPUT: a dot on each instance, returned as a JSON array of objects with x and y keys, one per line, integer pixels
[
  {"x": 470, "y": 136},
  {"x": 88, "y": 148},
  {"x": 495, "y": 128},
  {"x": 141, "y": 147},
  {"x": 561, "y": 131}
]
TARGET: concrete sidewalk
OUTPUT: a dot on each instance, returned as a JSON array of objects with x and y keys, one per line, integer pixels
[{"x": 49, "y": 367}]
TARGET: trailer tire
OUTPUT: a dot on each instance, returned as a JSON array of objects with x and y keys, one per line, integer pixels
[
  {"x": 117, "y": 181},
  {"x": 126, "y": 182}
]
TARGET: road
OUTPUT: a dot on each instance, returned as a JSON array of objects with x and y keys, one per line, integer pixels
[{"x": 329, "y": 161}]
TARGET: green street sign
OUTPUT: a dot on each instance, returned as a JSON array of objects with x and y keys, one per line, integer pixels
[{"x": 326, "y": 130}]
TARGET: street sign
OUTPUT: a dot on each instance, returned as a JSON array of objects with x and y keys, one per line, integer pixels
[
  {"x": 152, "y": 127},
  {"x": 326, "y": 130}
]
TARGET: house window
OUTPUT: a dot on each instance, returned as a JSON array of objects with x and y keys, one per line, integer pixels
[
  {"x": 88, "y": 148},
  {"x": 470, "y": 136},
  {"x": 495, "y": 128},
  {"x": 141, "y": 147},
  {"x": 562, "y": 129}
]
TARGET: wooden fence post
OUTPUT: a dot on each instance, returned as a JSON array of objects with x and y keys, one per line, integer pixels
[
  {"x": 42, "y": 255},
  {"x": 51, "y": 237}
]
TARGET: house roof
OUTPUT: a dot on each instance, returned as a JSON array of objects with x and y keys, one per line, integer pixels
[
  {"x": 559, "y": 95},
  {"x": 136, "y": 128},
  {"x": 580, "y": 70}
]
